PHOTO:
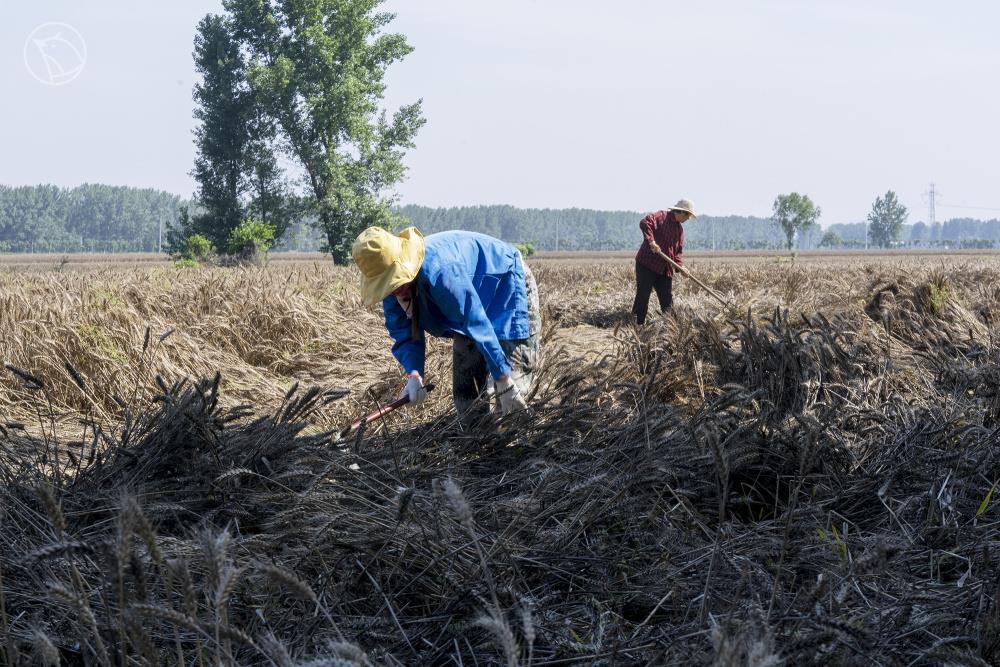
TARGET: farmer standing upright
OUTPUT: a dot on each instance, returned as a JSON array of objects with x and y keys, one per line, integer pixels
[
  {"x": 662, "y": 232},
  {"x": 466, "y": 286}
]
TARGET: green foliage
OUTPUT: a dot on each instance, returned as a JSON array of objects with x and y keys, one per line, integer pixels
[
  {"x": 185, "y": 263},
  {"x": 838, "y": 544},
  {"x": 938, "y": 299},
  {"x": 831, "y": 240},
  {"x": 251, "y": 236},
  {"x": 938, "y": 293},
  {"x": 220, "y": 137},
  {"x": 301, "y": 236},
  {"x": 986, "y": 501},
  {"x": 197, "y": 247},
  {"x": 526, "y": 249},
  {"x": 317, "y": 70},
  {"x": 87, "y": 218},
  {"x": 886, "y": 220},
  {"x": 794, "y": 213},
  {"x": 236, "y": 167}
]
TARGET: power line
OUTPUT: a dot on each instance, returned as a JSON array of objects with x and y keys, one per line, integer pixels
[
  {"x": 978, "y": 208},
  {"x": 934, "y": 199}
]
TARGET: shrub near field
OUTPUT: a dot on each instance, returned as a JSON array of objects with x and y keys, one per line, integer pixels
[{"x": 807, "y": 477}]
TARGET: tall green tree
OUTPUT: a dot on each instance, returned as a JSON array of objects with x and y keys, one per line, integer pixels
[
  {"x": 319, "y": 69},
  {"x": 271, "y": 200},
  {"x": 236, "y": 167},
  {"x": 885, "y": 221},
  {"x": 221, "y": 136},
  {"x": 794, "y": 213}
]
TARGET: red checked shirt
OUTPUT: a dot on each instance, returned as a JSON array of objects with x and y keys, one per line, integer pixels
[{"x": 663, "y": 228}]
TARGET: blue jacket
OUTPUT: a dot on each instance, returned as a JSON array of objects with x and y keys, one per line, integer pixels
[{"x": 470, "y": 284}]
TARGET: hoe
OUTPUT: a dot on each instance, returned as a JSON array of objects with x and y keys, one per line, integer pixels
[
  {"x": 381, "y": 412},
  {"x": 700, "y": 284}
]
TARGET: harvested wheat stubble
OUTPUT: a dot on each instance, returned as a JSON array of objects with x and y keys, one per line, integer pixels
[{"x": 756, "y": 488}]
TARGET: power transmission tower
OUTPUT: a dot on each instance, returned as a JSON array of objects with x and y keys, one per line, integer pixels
[{"x": 931, "y": 213}]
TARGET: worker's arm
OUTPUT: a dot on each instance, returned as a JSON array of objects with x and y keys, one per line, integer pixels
[
  {"x": 648, "y": 226},
  {"x": 408, "y": 352},
  {"x": 454, "y": 294}
]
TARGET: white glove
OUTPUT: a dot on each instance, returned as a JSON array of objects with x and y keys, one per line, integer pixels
[
  {"x": 414, "y": 389},
  {"x": 511, "y": 399}
]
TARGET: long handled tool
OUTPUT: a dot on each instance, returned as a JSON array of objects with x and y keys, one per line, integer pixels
[
  {"x": 700, "y": 284},
  {"x": 381, "y": 412}
]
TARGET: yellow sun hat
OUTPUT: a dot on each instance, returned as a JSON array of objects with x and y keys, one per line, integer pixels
[{"x": 387, "y": 262}]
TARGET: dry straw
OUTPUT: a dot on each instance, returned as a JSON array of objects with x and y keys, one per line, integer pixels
[{"x": 805, "y": 481}]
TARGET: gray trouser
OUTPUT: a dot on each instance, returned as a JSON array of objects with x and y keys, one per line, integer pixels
[{"x": 470, "y": 376}]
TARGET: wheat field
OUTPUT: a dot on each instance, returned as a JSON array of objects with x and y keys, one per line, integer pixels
[{"x": 805, "y": 476}]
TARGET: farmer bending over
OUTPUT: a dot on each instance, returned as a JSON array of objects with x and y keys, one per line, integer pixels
[
  {"x": 663, "y": 235},
  {"x": 469, "y": 287}
]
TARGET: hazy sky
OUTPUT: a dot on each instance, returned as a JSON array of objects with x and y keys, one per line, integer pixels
[{"x": 560, "y": 103}]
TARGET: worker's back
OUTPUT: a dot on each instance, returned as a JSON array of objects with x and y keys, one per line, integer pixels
[{"x": 455, "y": 260}]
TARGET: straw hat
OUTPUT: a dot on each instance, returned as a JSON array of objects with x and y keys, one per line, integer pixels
[
  {"x": 387, "y": 262},
  {"x": 685, "y": 205}
]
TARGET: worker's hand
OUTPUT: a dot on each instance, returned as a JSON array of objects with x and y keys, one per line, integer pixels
[
  {"x": 414, "y": 389},
  {"x": 510, "y": 396},
  {"x": 654, "y": 246}
]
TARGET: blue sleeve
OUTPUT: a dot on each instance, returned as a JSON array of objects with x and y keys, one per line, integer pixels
[
  {"x": 457, "y": 298},
  {"x": 408, "y": 352}
]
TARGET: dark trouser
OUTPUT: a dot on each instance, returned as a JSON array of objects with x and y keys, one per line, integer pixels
[
  {"x": 646, "y": 281},
  {"x": 470, "y": 376}
]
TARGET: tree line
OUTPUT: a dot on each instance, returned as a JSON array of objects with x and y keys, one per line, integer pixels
[
  {"x": 956, "y": 232},
  {"x": 586, "y": 229},
  {"x": 104, "y": 218},
  {"x": 87, "y": 218}
]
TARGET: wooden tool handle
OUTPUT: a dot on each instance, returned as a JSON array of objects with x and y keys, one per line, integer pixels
[
  {"x": 383, "y": 411},
  {"x": 688, "y": 274}
]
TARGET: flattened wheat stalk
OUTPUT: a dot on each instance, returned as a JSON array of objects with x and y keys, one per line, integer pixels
[
  {"x": 76, "y": 377},
  {"x": 461, "y": 508},
  {"x": 43, "y": 649},
  {"x": 52, "y": 508},
  {"x": 287, "y": 578},
  {"x": 30, "y": 381},
  {"x": 504, "y": 636}
]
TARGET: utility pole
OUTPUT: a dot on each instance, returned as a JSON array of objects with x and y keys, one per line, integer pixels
[{"x": 159, "y": 237}]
